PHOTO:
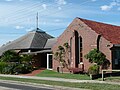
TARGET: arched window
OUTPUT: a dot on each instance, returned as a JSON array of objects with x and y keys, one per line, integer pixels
[
  {"x": 76, "y": 48},
  {"x": 80, "y": 49},
  {"x": 98, "y": 41},
  {"x": 70, "y": 50}
]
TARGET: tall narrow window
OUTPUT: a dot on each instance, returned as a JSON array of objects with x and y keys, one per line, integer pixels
[
  {"x": 70, "y": 50},
  {"x": 76, "y": 49},
  {"x": 80, "y": 49},
  {"x": 98, "y": 41}
]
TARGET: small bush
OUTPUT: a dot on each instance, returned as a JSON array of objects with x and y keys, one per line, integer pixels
[
  {"x": 23, "y": 69},
  {"x": 9, "y": 56},
  {"x": 13, "y": 63},
  {"x": 2, "y": 66},
  {"x": 9, "y": 69},
  {"x": 94, "y": 69}
]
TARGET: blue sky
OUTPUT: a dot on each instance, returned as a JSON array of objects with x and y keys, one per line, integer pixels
[{"x": 17, "y": 17}]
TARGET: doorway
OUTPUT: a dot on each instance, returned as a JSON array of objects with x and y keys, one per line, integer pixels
[
  {"x": 49, "y": 61},
  {"x": 116, "y": 59}
]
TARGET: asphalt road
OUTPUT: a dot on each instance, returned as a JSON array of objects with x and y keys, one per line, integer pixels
[{"x": 10, "y": 86}]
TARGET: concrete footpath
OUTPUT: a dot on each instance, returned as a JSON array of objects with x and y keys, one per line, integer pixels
[
  {"x": 52, "y": 87},
  {"x": 60, "y": 79},
  {"x": 55, "y": 79}
]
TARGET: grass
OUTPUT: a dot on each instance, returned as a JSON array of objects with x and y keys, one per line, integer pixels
[
  {"x": 49, "y": 73},
  {"x": 115, "y": 78},
  {"x": 92, "y": 86}
]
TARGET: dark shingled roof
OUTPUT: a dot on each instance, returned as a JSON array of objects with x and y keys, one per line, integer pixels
[
  {"x": 35, "y": 39},
  {"x": 109, "y": 32},
  {"x": 50, "y": 42}
]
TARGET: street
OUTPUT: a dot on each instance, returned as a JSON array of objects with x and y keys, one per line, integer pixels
[{"x": 13, "y": 86}]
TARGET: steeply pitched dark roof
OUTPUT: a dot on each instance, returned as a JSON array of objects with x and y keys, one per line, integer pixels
[
  {"x": 35, "y": 39},
  {"x": 50, "y": 42},
  {"x": 109, "y": 32}
]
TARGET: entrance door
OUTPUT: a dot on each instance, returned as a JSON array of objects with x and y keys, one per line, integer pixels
[
  {"x": 117, "y": 59},
  {"x": 49, "y": 61}
]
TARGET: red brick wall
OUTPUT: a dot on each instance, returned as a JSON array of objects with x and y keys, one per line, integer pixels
[
  {"x": 89, "y": 42},
  {"x": 105, "y": 48}
]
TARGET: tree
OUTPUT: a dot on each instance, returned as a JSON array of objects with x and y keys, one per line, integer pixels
[
  {"x": 67, "y": 53},
  {"x": 26, "y": 59},
  {"x": 9, "y": 56},
  {"x": 62, "y": 55},
  {"x": 13, "y": 63},
  {"x": 95, "y": 56},
  {"x": 59, "y": 55}
]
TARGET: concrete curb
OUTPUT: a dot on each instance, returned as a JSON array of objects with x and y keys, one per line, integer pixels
[{"x": 60, "y": 79}]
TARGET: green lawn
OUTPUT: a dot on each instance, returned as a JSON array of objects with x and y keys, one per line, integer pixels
[
  {"x": 49, "y": 73},
  {"x": 115, "y": 78},
  {"x": 92, "y": 86}
]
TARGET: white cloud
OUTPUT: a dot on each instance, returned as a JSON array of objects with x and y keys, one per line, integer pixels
[
  {"x": 19, "y": 27},
  {"x": 59, "y": 8},
  {"x": 44, "y": 6},
  {"x": 109, "y": 7},
  {"x": 105, "y": 7},
  {"x": 93, "y": 0},
  {"x": 61, "y": 2},
  {"x": 8, "y": 0},
  {"x": 113, "y": 4},
  {"x": 57, "y": 20},
  {"x": 29, "y": 29},
  {"x": 12, "y": 0}
]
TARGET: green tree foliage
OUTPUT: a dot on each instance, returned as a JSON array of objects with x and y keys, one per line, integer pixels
[
  {"x": 59, "y": 55},
  {"x": 96, "y": 56},
  {"x": 66, "y": 45},
  {"x": 2, "y": 66},
  {"x": 94, "y": 69},
  {"x": 13, "y": 63},
  {"x": 9, "y": 56},
  {"x": 62, "y": 55},
  {"x": 27, "y": 59}
]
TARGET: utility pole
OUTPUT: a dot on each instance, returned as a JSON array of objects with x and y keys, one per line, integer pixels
[{"x": 37, "y": 22}]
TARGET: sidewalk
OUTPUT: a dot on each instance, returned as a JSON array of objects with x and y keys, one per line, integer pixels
[
  {"x": 60, "y": 79},
  {"x": 51, "y": 87}
]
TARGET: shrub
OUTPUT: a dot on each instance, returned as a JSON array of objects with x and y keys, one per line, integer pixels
[
  {"x": 10, "y": 56},
  {"x": 10, "y": 68},
  {"x": 94, "y": 69},
  {"x": 23, "y": 69},
  {"x": 95, "y": 56},
  {"x": 25, "y": 59},
  {"x": 62, "y": 55},
  {"x": 13, "y": 63},
  {"x": 2, "y": 66}
]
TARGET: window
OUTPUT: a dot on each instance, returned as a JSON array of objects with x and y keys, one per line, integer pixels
[
  {"x": 117, "y": 57},
  {"x": 70, "y": 50},
  {"x": 80, "y": 49},
  {"x": 98, "y": 41}
]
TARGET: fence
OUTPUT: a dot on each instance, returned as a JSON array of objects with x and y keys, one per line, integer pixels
[{"x": 108, "y": 71}]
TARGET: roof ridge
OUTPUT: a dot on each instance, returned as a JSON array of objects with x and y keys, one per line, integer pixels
[
  {"x": 97, "y": 22},
  {"x": 38, "y": 30},
  {"x": 108, "y": 31},
  {"x": 32, "y": 40}
]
